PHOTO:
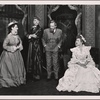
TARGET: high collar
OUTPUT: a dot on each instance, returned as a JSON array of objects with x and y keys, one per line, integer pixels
[
  {"x": 13, "y": 34},
  {"x": 53, "y": 31},
  {"x": 35, "y": 26}
]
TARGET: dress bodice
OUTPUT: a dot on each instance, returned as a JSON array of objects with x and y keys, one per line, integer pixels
[
  {"x": 83, "y": 54},
  {"x": 12, "y": 40}
]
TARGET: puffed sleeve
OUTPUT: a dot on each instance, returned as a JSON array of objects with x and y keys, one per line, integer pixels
[
  {"x": 74, "y": 56},
  {"x": 89, "y": 57},
  {"x": 88, "y": 53},
  {"x": 6, "y": 45}
]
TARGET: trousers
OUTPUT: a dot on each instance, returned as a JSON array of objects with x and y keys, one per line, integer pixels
[{"x": 52, "y": 60}]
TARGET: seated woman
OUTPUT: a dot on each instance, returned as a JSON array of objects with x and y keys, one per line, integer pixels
[
  {"x": 12, "y": 70},
  {"x": 81, "y": 75}
]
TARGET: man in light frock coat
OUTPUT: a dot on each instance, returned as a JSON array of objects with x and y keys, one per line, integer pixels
[{"x": 52, "y": 39}]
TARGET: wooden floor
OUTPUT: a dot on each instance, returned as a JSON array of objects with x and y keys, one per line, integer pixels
[{"x": 41, "y": 87}]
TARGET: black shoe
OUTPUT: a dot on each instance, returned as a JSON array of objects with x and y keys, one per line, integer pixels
[
  {"x": 36, "y": 77},
  {"x": 56, "y": 79},
  {"x": 35, "y": 80},
  {"x": 48, "y": 79}
]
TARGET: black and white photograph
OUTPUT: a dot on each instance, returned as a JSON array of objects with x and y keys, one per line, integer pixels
[{"x": 49, "y": 49}]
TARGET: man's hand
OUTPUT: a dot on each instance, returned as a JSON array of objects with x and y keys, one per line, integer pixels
[
  {"x": 58, "y": 46},
  {"x": 45, "y": 45}
]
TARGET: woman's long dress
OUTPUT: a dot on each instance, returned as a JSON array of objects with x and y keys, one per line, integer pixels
[
  {"x": 12, "y": 70},
  {"x": 78, "y": 78},
  {"x": 34, "y": 59}
]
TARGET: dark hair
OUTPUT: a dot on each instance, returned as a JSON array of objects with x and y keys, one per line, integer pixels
[
  {"x": 10, "y": 27},
  {"x": 80, "y": 37},
  {"x": 35, "y": 17}
]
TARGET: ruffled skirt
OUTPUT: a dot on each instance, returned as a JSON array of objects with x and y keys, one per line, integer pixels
[{"x": 79, "y": 79}]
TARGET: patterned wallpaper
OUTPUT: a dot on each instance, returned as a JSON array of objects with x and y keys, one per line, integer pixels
[
  {"x": 89, "y": 21},
  {"x": 39, "y": 12},
  {"x": 89, "y": 18}
]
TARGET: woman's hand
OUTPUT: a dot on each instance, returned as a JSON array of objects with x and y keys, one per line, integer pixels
[
  {"x": 82, "y": 64},
  {"x": 14, "y": 48},
  {"x": 18, "y": 47},
  {"x": 29, "y": 36},
  {"x": 34, "y": 36}
]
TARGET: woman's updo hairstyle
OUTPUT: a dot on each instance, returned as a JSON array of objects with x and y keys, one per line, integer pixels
[{"x": 83, "y": 40}]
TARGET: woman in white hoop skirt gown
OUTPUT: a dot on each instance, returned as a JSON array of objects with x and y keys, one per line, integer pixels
[{"x": 81, "y": 75}]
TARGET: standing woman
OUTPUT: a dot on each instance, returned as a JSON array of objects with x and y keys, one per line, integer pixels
[
  {"x": 34, "y": 60},
  {"x": 12, "y": 70}
]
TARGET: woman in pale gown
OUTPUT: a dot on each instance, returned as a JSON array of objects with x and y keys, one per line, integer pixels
[
  {"x": 81, "y": 75},
  {"x": 12, "y": 70}
]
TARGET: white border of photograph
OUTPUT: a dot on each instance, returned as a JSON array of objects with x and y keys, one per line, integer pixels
[{"x": 52, "y": 2}]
